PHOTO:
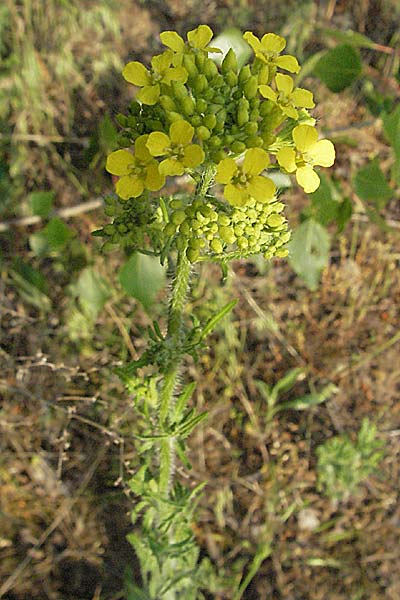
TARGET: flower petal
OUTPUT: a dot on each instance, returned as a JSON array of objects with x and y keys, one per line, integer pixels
[
  {"x": 161, "y": 62},
  {"x": 304, "y": 137},
  {"x": 255, "y": 161},
  {"x": 226, "y": 170},
  {"x": 158, "y": 143},
  {"x": 154, "y": 179},
  {"x": 172, "y": 40},
  {"x": 235, "y": 195},
  {"x": 322, "y": 153},
  {"x": 200, "y": 37},
  {"x": 288, "y": 62},
  {"x": 289, "y": 111},
  {"x": 261, "y": 189},
  {"x": 141, "y": 150},
  {"x": 303, "y": 98},
  {"x": 193, "y": 156},
  {"x": 284, "y": 83},
  {"x": 129, "y": 186},
  {"x": 136, "y": 73},
  {"x": 308, "y": 179},
  {"x": 181, "y": 132},
  {"x": 175, "y": 74},
  {"x": 273, "y": 43},
  {"x": 149, "y": 94},
  {"x": 286, "y": 158},
  {"x": 120, "y": 162},
  {"x": 253, "y": 41},
  {"x": 171, "y": 166},
  {"x": 268, "y": 93}
]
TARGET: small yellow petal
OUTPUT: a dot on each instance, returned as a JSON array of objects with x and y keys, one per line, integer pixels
[
  {"x": 193, "y": 156},
  {"x": 158, "y": 143},
  {"x": 288, "y": 62},
  {"x": 120, "y": 162},
  {"x": 200, "y": 37},
  {"x": 172, "y": 40},
  {"x": 181, "y": 132},
  {"x": 308, "y": 179},
  {"x": 290, "y": 111},
  {"x": 261, "y": 188},
  {"x": 284, "y": 83},
  {"x": 129, "y": 186},
  {"x": 252, "y": 40},
  {"x": 235, "y": 195},
  {"x": 273, "y": 43},
  {"x": 161, "y": 62},
  {"x": 255, "y": 161},
  {"x": 268, "y": 93},
  {"x": 226, "y": 170},
  {"x": 171, "y": 166},
  {"x": 175, "y": 74},
  {"x": 154, "y": 179},
  {"x": 304, "y": 137},
  {"x": 286, "y": 158},
  {"x": 149, "y": 94},
  {"x": 141, "y": 150},
  {"x": 136, "y": 73},
  {"x": 322, "y": 153},
  {"x": 303, "y": 98}
]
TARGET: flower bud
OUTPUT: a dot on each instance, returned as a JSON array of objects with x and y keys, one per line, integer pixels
[
  {"x": 244, "y": 74},
  {"x": 263, "y": 75},
  {"x": 179, "y": 90},
  {"x": 238, "y": 147},
  {"x": 275, "y": 220},
  {"x": 254, "y": 141},
  {"x": 178, "y": 217},
  {"x": 250, "y": 88},
  {"x": 201, "y": 105},
  {"x": 216, "y": 246},
  {"x": 167, "y": 103},
  {"x": 227, "y": 234},
  {"x": 188, "y": 62},
  {"x": 251, "y": 128},
  {"x": 210, "y": 121},
  {"x": 192, "y": 254},
  {"x": 210, "y": 69},
  {"x": 229, "y": 64},
  {"x": 200, "y": 83},
  {"x": 203, "y": 133},
  {"x": 196, "y": 120},
  {"x": 173, "y": 116},
  {"x": 122, "y": 119},
  {"x": 169, "y": 229},
  {"x": 134, "y": 107},
  {"x": 188, "y": 106}
]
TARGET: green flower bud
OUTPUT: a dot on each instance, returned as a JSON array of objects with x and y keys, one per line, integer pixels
[
  {"x": 124, "y": 141},
  {"x": 275, "y": 220},
  {"x": 192, "y": 254},
  {"x": 238, "y": 229},
  {"x": 265, "y": 108},
  {"x": 180, "y": 243},
  {"x": 281, "y": 252},
  {"x": 122, "y": 119},
  {"x": 215, "y": 141},
  {"x": 242, "y": 243},
  {"x": 203, "y": 133},
  {"x": 169, "y": 229},
  {"x": 208, "y": 93},
  {"x": 195, "y": 243},
  {"x": 184, "y": 228},
  {"x": 210, "y": 121},
  {"x": 109, "y": 229},
  {"x": 190, "y": 65},
  {"x": 263, "y": 75},
  {"x": 200, "y": 60},
  {"x": 175, "y": 203},
  {"x": 285, "y": 237},
  {"x": 167, "y": 103},
  {"x": 178, "y": 217},
  {"x": 179, "y": 90},
  {"x": 251, "y": 128},
  {"x": 254, "y": 142},
  {"x": 122, "y": 228},
  {"x": 213, "y": 228},
  {"x": 237, "y": 94},
  {"x": 201, "y": 105},
  {"x": 217, "y": 155},
  {"x": 238, "y": 147},
  {"x": 173, "y": 116},
  {"x": 242, "y": 116},
  {"x": 200, "y": 83},
  {"x": 216, "y": 246},
  {"x": 250, "y": 88},
  {"x": 229, "y": 63},
  {"x": 227, "y": 234},
  {"x": 231, "y": 79},
  {"x": 224, "y": 220},
  {"x": 210, "y": 69},
  {"x": 219, "y": 99},
  {"x": 188, "y": 106},
  {"x": 109, "y": 211},
  {"x": 135, "y": 107},
  {"x": 196, "y": 120},
  {"x": 244, "y": 74}
]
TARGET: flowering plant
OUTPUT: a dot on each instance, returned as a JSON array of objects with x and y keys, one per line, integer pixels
[{"x": 229, "y": 130}]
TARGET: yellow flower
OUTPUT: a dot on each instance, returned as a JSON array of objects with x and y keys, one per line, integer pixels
[
  {"x": 286, "y": 97},
  {"x": 197, "y": 39},
  {"x": 137, "y": 171},
  {"x": 181, "y": 153},
  {"x": 243, "y": 182},
  {"x": 307, "y": 153},
  {"x": 162, "y": 72},
  {"x": 268, "y": 49}
]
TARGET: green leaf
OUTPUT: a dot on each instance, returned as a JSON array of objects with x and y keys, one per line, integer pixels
[
  {"x": 324, "y": 204},
  {"x": 287, "y": 381},
  {"x": 53, "y": 238},
  {"x": 31, "y": 284},
  {"x": 348, "y": 37},
  {"x": 142, "y": 277},
  {"x": 370, "y": 184},
  {"x": 309, "y": 252},
  {"x": 345, "y": 210},
  {"x": 391, "y": 127},
  {"x": 213, "y": 322},
  {"x": 231, "y": 38},
  {"x": 108, "y": 134},
  {"x": 92, "y": 292},
  {"x": 309, "y": 400},
  {"x": 339, "y": 67},
  {"x": 41, "y": 203}
]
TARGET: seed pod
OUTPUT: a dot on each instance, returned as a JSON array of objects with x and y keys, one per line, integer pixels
[
  {"x": 203, "y": 133},
  {"x": 229, "y": 64},
  {"x": 250, "y": 88}
]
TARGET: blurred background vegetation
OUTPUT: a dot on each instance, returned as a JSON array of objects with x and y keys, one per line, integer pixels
[{"x": 302, "y": 383}]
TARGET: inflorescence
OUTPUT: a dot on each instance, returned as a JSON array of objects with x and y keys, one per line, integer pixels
[{"x": 194, "y": 117}]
